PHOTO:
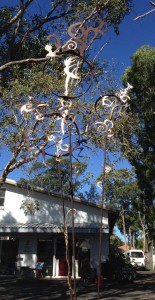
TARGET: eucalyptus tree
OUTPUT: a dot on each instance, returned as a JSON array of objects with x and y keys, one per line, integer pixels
[
  {"x": 115, "y": 241},
  {"x": 121, "y": 192},
  {"x": 51, "y": 177},
  {"x": 137, "y": 134},
  {"x": 92, "y": 195},
  {"x": 29, "y": 75}
]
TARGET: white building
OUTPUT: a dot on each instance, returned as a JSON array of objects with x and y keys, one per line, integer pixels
[{"x": 29, "y": 238}]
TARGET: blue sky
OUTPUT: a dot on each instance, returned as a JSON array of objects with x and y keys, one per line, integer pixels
[{"x": 133, "y": 35}]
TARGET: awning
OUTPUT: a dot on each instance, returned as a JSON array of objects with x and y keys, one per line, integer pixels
[{"x": 50, "y": 228}]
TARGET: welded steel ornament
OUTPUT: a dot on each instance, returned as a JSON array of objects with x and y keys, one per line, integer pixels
[
  {"x": 73, "y": 52},
  {"x": 74, "y": 49},
  {"x": 80, "y": 34},
  {"x": 109, "y": 108},
  {"x": 123, "y": 94},
  {"x": 79, "y": 40}
]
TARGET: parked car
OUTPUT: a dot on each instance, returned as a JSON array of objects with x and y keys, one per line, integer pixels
[
  {"x": 118, "y": 268},
  {"x": 136, "y": 257}
]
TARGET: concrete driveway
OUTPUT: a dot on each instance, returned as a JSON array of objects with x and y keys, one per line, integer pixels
[{"x": 42, "y": 289}]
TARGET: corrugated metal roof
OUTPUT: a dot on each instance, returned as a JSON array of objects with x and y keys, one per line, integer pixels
[
  {"x": 48, "y": 227},
  {"x": 28, "y": 225}
]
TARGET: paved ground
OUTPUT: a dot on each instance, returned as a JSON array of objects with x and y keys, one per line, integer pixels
[{"x": 42, "y": 289}]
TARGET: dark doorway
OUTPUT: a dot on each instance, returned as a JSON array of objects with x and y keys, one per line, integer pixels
[
  {"x": 45, "y": 255},
  {"x": 83, "y": 261},
  {"x": 9, "y": 252}
]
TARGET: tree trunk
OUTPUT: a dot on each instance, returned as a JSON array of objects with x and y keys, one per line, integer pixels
[
  {"x": 130, "y": 238},
  {"x": 133, "y": 240},
  {"x": 144, "y": 230},
  {"x": 123, "y": 220}
]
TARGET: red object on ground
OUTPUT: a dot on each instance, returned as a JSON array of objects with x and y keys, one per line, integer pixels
[{"x": 100, "y": 280}]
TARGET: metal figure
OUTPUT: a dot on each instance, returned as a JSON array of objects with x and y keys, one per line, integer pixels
[{"x": 71, "y": 69}]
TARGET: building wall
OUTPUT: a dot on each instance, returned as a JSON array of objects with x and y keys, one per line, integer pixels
[
  {"x": 50, "y": 212},
  {"x": 27, "y": 251},
  {"x": 50, "y": 209}
]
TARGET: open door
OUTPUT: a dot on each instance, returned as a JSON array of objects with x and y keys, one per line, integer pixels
[{"x": 61, "y": 255}]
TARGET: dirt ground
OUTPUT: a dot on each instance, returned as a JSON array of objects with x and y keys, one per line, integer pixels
[{"x": 12, "y": 288}]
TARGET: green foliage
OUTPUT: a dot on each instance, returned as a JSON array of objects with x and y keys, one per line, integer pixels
[
  {"x": 91, "y": 195},
  {"x": 29, "y": 206},
  {"x": 55, "y": 176},
  {"x": 141, "y": 76},
  {"x": 140, "y": 134},
  {"x": 117, "y": 10},
  {"x": 121, "y": 192},
  {"x": 139, "y": 243},
  {"x": 115, "y": 241},
  {"x": 120, "y": 187}
]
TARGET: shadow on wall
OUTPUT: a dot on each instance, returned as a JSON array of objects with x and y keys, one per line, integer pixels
[{"x": 50, "y": 209}]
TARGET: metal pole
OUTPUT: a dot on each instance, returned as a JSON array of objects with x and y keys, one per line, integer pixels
[
  {"x": 72, "y": 210},
  {"x": 101, "y": 222},
  {"x": 65, "y": 233}
]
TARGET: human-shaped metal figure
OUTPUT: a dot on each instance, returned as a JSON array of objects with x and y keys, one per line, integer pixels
[{"x": 71, "y": 68}]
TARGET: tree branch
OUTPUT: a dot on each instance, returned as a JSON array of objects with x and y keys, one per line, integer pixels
[
  {"x": 44, "y": 21},
  {"x": 147, "y": 13},
  {"x": 13, "y": 164},
  {"x": 153, "y": 3},
  {"x": 20, "y": 17},
  {"x": 24, "y": 61},
  {"x": 144, "y": 15},
  {"x": 20, "y": 12}
]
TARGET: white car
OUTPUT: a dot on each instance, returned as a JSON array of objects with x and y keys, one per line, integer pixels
[{"x": 136, "y": 257}]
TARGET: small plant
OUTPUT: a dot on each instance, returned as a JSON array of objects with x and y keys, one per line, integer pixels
[{"x": 30, "y": 206}]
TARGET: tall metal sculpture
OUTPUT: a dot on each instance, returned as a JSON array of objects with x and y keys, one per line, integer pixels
[{"x": 107, "y": 108}]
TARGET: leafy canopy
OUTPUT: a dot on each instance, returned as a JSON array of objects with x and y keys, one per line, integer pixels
[
  {"x": 140, "y": 135},
  {"x": 55, "y": 175},
  {"x": 24, "y": 30}
]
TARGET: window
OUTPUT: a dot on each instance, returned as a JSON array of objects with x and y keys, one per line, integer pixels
[
  {"x": 137, "y": 254},
  {"x": 2, "y": 198}
]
